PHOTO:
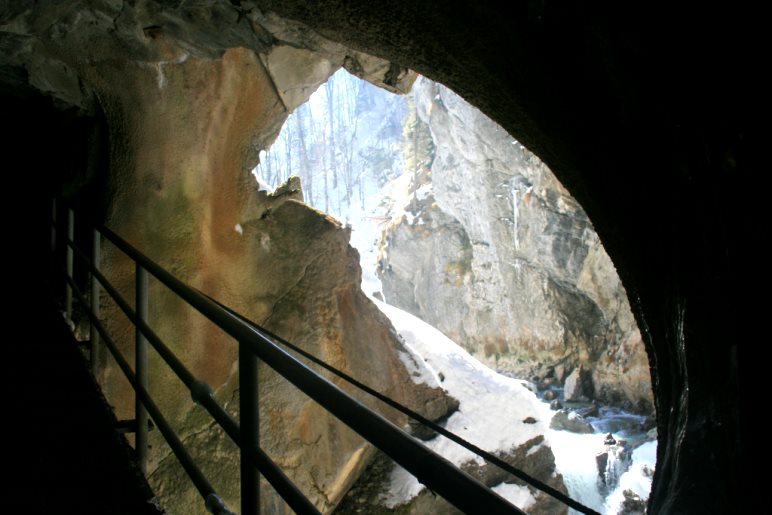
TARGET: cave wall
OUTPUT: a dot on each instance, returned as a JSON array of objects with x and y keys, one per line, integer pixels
[
  {"x": 183, "y": 136},
  {"x": 181, "y": 121}
]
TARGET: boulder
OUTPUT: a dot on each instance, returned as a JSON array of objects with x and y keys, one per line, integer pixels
[
  {"x": 632, "y": 504},
  {"x": 533, "y": 457},
  {"x": 578, "y": 386},
  {"x": 570, "y": 421}
]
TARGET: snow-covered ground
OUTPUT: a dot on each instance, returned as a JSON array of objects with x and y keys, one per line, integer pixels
[
  {"x": 492, "y": 406},
  {"x": 491, "y": 413}
]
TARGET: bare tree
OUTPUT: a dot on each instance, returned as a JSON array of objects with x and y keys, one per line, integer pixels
[{"x": 306, "y": 170}]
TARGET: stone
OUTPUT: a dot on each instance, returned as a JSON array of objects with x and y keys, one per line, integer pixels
[
  {"x": 507, "y": 263},
  {"x": 632, "y": 504},
  {"x": 435, "y": 408},
  {"x": 570, "y": 421},
  {"x": 549, "y": 395},
  {"x": 580, "y": 98},
  {"x": 529, "y": 420},
  {"x": 612, "y": 463},
  {"x": 578, "y": 386},
  {"x": 556, "y": 405},
  {"x": 190, "y": 203},
  {"x": 533, "y": 457},
  {"x": 591, "y": 411}
]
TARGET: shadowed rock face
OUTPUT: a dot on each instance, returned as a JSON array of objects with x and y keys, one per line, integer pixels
[{"x": 646, "y": 115}]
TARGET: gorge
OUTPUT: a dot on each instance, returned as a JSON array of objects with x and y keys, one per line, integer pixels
[{"x": 405, "y": 165}]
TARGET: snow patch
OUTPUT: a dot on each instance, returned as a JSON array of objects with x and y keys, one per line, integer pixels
[
  {"x": 481, "y": 393},
  {"x": 520, "y": 496}
]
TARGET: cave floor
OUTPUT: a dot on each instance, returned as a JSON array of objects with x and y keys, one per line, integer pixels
[{"x": 64, "y": 455}]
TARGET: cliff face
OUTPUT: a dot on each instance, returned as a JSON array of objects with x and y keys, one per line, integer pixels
[
  {"x": 497, "y": 255},
  {"x": 189, "y": 96},
  {"x": 190, "y": 203}
]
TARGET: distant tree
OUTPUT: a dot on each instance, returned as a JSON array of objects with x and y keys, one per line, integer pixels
[
  {"x": 306, "y": 170},
  {"x": 417, "y": 143}
]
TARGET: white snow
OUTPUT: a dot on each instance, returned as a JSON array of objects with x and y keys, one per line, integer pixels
[
  {"x": 424, "y": 191},
  {"x": 520, "y": 496},
  {"x": 492, "y": 406}
]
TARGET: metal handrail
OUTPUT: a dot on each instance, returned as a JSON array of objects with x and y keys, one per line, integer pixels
[
  {"x": 491, "y": 458},
  {"x": 201, "y": 393},
  {"x": 213, "y": 501},
  {"x": 437, "y": 473}
]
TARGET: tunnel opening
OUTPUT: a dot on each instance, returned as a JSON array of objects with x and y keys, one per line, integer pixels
[
  {"x": 592, "y": 86},
  {"x": 459, "y": 225}
]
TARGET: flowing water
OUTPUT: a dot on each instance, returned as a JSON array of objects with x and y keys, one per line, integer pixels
[{"x": 575, "y": 459}]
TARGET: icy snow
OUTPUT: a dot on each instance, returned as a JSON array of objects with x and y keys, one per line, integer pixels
[
  {"x": 518, "y": 495},
  {"x": 635, "y": 479},
  {"x": 492, "y": 406}
]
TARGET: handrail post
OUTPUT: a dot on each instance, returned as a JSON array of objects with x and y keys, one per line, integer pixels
[
  {"x": 69, "y": 254},
  {"x": 250, "y": 430},
  {"x": 140, "y": 367},
  {"x": 94, "y": 334}
]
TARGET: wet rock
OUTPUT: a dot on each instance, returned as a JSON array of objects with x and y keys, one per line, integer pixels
[
  {"x": 529, "y": 420},
  {"x": 550, "y": 395},
  {"x": 437, "y": 409},
  {"x": 570, "y": 421},
  {"x": 578, "y": 386},
  {"x": 591, "y": 411},
  {"x": 556, "y": 405},
  {"x": 612, "y": 462},
  {"x": 632, "y": 504}
]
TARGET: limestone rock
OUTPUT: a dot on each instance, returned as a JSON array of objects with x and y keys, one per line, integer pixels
[
  {"x": 191, "y": 205},
  {"x": 578, "y": 386},
  {"x": 501, "y": 259},
  {"x": 612, "y": 463},
  {"x": 632, "y": 504},
  {"x": 570, "y": 421},
  {"x": 48, "y": 42}
]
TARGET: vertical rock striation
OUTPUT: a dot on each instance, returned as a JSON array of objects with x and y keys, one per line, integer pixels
[{"x": 504, "y": 261}]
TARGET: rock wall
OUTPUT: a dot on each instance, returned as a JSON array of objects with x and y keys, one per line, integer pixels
[
  {"x": 181, "y": 140},
  {"x": 186, "y": 115},
  {"x": 497, "y": 255}
]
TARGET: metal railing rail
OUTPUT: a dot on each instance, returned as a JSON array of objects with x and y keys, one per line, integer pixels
[
  {"x": 437, "y": 473},
  {"x": 201, "y": 393},
  {"x": 491, "y": 458}
]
